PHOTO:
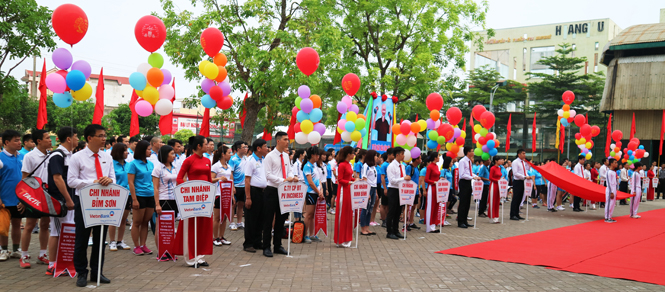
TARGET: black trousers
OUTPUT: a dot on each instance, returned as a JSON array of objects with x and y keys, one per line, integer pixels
[
  {"x": 394, "y": 210},
  {"x": 271, "y": 210},
  {"x": 254, "y": 219},
  {"x": 623, "y": 186},
  {"x": 518, "y": 196},
  {"x": 576, "y": 202},
  {"x": 81, "y": 243},
  {"x": 452, "y": 199},
  {"x": 661, "y": 187},
  {"x": 464, "y": 200},
  {"x": 483, "y": 200}
]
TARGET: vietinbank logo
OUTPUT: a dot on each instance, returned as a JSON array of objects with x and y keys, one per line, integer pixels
[
  {"x": 112, "y": 213},
  {"x": 203, "y": 207}
]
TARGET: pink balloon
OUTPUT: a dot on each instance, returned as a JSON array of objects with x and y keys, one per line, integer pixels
[
  {"x": 166, "y": 92},
  {"x": 226, "y": 88},
  {"x": 143, "y": 108},
  {"x": 354, "y": 108},
  {"x": 341, "y": 124},
  {"x": 207, "y": 84},
  {"x": 82, "y": 66},
  {"x": 348, "y": 101},
  {"x": 56, "y": 83},
  {"x": 167, "y": 76}
]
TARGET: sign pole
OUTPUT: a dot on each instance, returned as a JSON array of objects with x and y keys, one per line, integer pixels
[
  {"x": 443, "y": 217},
  {"x": 185, "y": 237},
  {"x": 475, "y": 215},
  {"x": 527, "y": 208},
  {"x": 101, "y": 247},
  {"x": 288, "y": 243},
  {"x": 357, "y": 226},
  {"x": 406, "y": 216},
  {"x": 502, "y": 204},
  {"x": 196, "y": 252}
]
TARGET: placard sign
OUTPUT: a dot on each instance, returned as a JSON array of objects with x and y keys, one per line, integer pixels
[
  {"x": 477, "y": 186},
  {"x": 456, "y": 178},
  {"x": 320, "y": 218},
  {"x": 407, "y": 192},
  {"x": 442, "y": 190},
  {"x": 654, "y": 182},
  {"x": 65, "y": 258},
  {"x": 602, "y": 179},
  {"x": 528, "y": 188},
  {"x": 360, "y": 194},
  {"x": 503, "y": 188},
  {"x": 195, "y": 198},
  {"x": 166, "y": 232},
  {"x": 225, "y": 200},
  {"x": 103, "y": 205},
  {"x": 291, "y": 196},
  {"x": 645, "y": 182}
]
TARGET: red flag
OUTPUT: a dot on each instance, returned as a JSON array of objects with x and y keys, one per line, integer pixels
[
  {"x": 292, "y": 131},
  {"x": 134, "y": 125},
  {"x": 563, "y": 138},
  {"x": 166, "y": 121},
  {"x": 244, "y": 113},
  {"x": 99, "y": 103},
  {"x": 464, "y": 125},
  {"x": 586, "y": 118},
  {"x": 42, "y": 116},
  {"x": 609, "y": 136},
  {"x": 473, "y": 131},
  {"x": 662, "y": 131},
  {"x": 533, "y": 134},
  {"x": 205, "y": 126},
  {"x": 338, "y": 136},
  {"x": 632, "y": 128},
  {"x": 510, "y": 117},
  {"x": 266, "y": 135}
]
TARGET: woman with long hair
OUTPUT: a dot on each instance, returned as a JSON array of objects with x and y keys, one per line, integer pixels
[
  {"x": 494, "y": 196},
  {"x": 164, "y": 177},
  {"x": 370, "y": 174},
  {"x": 220, "y": 172},
  {"x": 119, "y": 154},
  {"x": 139, "y": 177},
  {"x": 344, "y": 213},
  {"x": 432, "y": 175},
  {"x": 314, "y": 193},
  {"x": 651, "y": 174}
]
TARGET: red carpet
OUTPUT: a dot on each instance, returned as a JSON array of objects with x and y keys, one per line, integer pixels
[{"x": 629, "y": 249}]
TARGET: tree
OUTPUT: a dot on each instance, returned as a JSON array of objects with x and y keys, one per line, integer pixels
[
  {"x": 26, "y": 30},
  {"x": 183, "y": 135},
  {"x": 17, "y": 110},
  {"x": 119, "y": 121},
  {"x": 78, "y": 115}
]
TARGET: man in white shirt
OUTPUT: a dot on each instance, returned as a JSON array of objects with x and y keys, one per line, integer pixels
[
  {"x": 86, "y": 167},
  {"x": 602, "y": 175},
  {"x": 579, "y": 171},
  {"x": 33, "y": 162},
  {"x": 278, "y": 170},
  {"x": 520, "y": 170},
  {"x": 465, "y": 170},
  {"x": 611, "y": 190},
  {"x": 396, "y": 174},
  {"x": 177, "y": 149},
  {"x": 635, "y": 190},
  {"x": 623, "y": 184},
  {"x": 255, "y": 183},
  {"x": 155, "y": 144},
  {"x": 130, "y": 149}
]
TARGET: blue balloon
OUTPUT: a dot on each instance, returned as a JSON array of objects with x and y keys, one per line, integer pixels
[
  {"x": 431, "y": 144},
  {"x": 137, "y": 81},
  {"x": 493, "y": 152},
  {"x": 315, "y": 115},
  {"x": 630, "y": 152},
  {"x": 75, "y": 80},
  {"x": 564, "y": 122},
  {"x": 350, "y": 126},
  {"x": 631, "y": 157},
  {"x": 641, "y": 147},
  {"x": 301, "y": 116},
  {"x": 63, "y": 100},
  {"x": 490, "y": 144},
  {"x": 363, "y": 132},
  {"x": 208, "y": 102}
]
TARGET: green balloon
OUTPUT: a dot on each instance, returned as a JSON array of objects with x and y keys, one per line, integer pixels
[
  {"x": 360, "y": 124},
  {"x": 478, "y": 152},
  {"x": 298, "y": 100},
  {"x": 441, "y": 140},
  {"x": 629, "y": 162},
  {"x": 612, "y": 153},
  {"x": 433, "y": 135},
  {"x": 483, "y": 132},
  {"x": 156, "y": 60},
  {"x": 485, "y": 156},
  {"x": 636, "y": 160}
]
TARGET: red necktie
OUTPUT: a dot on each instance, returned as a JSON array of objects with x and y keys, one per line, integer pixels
[
  {"x": 523, "y": 169},
  {"x": 283, "y": 171},
  {"x": 401, "y": 173},
  {"x": 470, "y": 173},
  {"x": 98, "y": 166}
]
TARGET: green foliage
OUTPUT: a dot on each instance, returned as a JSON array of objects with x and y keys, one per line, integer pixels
[
  {"x": 119, "y": 121},
  {"x": 18, "y": 111},
  {"x": 183, "y": 135},
  {"x": 78, "y": 115}
]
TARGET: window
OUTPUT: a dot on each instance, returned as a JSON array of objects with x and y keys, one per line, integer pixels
[
  {"x": 595, "y": 62},
  {"x": 514, "y": 68},
  {"x": 497, "y": 60},
  {"x": 524, "y": 60},
  {"x": 540, "y": 53},
  {"x": 573, "y": 53},
  {"x": 596, "y": 46}
]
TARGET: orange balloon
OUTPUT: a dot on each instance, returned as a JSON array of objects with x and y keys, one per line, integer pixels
[
  {"x": 316, "y": 100},
  {"x": 155, "y": 77},
  {"x": 454, "y": 148},
  {"x": 361, "y": 116},
  {"x": 220, "y": 59},
  {"x": 496, "y": 143},
  {"x": 396, "y": 130},
  {"x": 434, "y": 115},
  {"x": 566, "y": 107},
  {"x": 415, "y": 127},
  {"x": 221, "y": 76}
]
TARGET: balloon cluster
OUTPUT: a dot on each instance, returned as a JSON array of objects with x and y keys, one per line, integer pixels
[
  {"x": 615, "y": 148},
  {"x": 150, "y": 82},
  {"x": 434, "y": 103},
  {"x": 633, "y": 153},
  {"x": 583, "y": 138},
  {"x": 453, "y": 135},
  {"x": 566, "y": 114},
  {"x": 407, "y": 137},
  {"x": 486, "y": 141},
  {"x": 215, "y": 85},
  {"x": 71, "y": 24},
  {"x": 351, "y": 125},
  {"x": 308, "y": 107}
]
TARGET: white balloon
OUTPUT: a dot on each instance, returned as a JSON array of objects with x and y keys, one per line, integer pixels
[
  {"x": 301, "y": 138},
  {"x": 400, "y": 139},
  {"x": 572, "y": 113},
  {"x": 560, "y": 112},
  {"x": 477, "y": 136},
  {"x": 411, "y": 140},
  {"x": 143, "y": 68},
  {"x": 163, "y": 107},
  {"x": 346, "y": 136},
  {"x": 407, "y": 155},
  {"x": 612, "y": 146},
  {"x": 314, "y": 137},
  {"x": 460, "y": 153},
  {"x": 437, "y": 124},
  {"x": 646, "y": 154}
]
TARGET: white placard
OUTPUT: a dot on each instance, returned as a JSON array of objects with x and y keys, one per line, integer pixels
[
  {"x": 654, "y": 182},
  {"x": 602, "y": 180},
  {"x": 503, "y": 188},
  {"x": 528, "y": 187},
  {"x": 477, "y": 187},
  {"x": 291, "y": 196},
  {"x": 103, "y": 205},
  {"x": 442, "y": 190},
  {"x": 645, "y": 182},
  {"x": 360, "y": 194},
  {"x": 195, "y": 198},
  {"x": 407, "y": 192}
]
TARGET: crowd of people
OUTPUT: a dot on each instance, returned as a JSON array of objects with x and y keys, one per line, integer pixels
[{"x": 150, "y": 169}]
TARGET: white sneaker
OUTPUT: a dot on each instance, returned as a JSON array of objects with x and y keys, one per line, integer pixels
[
  {"x": 16, "y": 255},
  {"x": 636, "y": 216},
  {"x": 332, "y": 211},
  {"x": 495, "y": 220},
  {"x": 560, "y": 208},
  {"x": 216, "y": 242},
  {"x": 241, "y": 225},
  {"x": 571, "y": 206},
  {"x": 233, "y": 226},
  {"x": 123, "y": 245},
  {"x": 346, "y": 244},
  {"x": 225, "y": 242},
  {"x": 4, "y": 255},
  {"x": 113, "y": 246},
  {"x": 593, "y": 206},
  {"x": 446, "y": 223}
]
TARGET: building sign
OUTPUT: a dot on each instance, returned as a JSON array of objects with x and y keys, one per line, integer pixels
[
  {"x": 519, "y": 39},
  {"x": 194, "y": 124}
]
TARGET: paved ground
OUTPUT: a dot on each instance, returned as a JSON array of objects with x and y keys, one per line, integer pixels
[{"x": 379, "y": 264}]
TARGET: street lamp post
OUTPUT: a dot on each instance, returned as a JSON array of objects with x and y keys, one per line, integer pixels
[{"x": 498, "y": 83}]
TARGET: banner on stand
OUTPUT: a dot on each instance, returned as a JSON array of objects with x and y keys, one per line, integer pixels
[
  {"x": 226, "y": 200},
  {"x": 291, "y": 196},
  {"x": 528, "y": 188},
  {"x": 166, "y": 227},
  {"x": 65, "y": 258},
  {"x": 477, "y": 186},
  {"x": 442, "y": 190},
  {"x": 320, "y": 218},
  {"x": 503, "y": 188},
  {"x": 407, "y": 192},
  {"x": 103, "y": 205},
  {"x": 654, "y": 182},
  {"x": 360, "y": 194},
  {"x": 195, "y": 198}
]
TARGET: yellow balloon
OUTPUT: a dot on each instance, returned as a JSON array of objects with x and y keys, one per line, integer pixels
[
  {"x": 477, "y": 128},
  {"x": 448, "y": 146},
  {"x": 463, "y": 134},
  {"x": 306, "y": 126},
  {"x": 588, "y": 145},
  {"x": 582, "y": 141},
  {"x": 340, "y": 130},
  {"x": 478, "y": 145},
  {"x": 150, "y": 94},
  {"x": 355, "y": 135},
  {"x": 84, "y": 93},
  {"x": 455, "y": 126},
  {"x": 211, "y": 71},
  {"x": 566, "y": 114},
  {"x": 588, "y": 156},
  {"x": 577, "y": 142},
  {"x": 423, "y": 125},
  {"x": 202, "y": 66},
  {"x": 351, "y": 116}
]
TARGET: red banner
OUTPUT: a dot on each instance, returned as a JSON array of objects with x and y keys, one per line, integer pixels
[
  {"x": 65, "y": 260},
  {"x": 320, "y": 218},
  {"x": 456, "y": 178},
  {"x": 226, "y": 200},
  {"x": 166, "y": 230}
]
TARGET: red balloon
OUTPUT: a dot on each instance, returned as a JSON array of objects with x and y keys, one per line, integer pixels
[
  {"x": 585, "y": 130},
  {"x": 568, "y": 97},
  {"x": 637, "y": 141},
  {"x": 384, "y": 97},
  {"x": 487, "y": 119},
  {"x": 578, "y": 136},
  {"x": 447, "y": 131},
  {"x": 405, "y": 128},
  {"x": 296, "y": 127},
  {"x": 477, "y": 111},
  {"x": 589, "y": 141},
  {"x": 63, "y": 73},
  {"x": 307, "y": 60},
  {"x": 70, "y": 23},
  {"x": 453, "y": 115},
  {"x": 150, "y": 32},
  {"x": 632, "y": 146},
  {"x": 225, "y": 103},
  {"x": 618, "y": 144},
  {"x": 489, "y": 136},
  {"x": 459, "y": 141},
  {"x": 212, "y": 41},
  {"x": 294, "y": 111},
  {"x": 570, "y": 120},
  {"x": 482, "y": 140},
  {"x": 395, "y": 99},
  {"x": 595, "y": 130},
  {"x": 216, "y": 93},
  {"x": 580, "y": 120},
  {"x": 616, "y": 136},
  {"x": 351, "y": 84},
  {"x": 434, "y": 101}
]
